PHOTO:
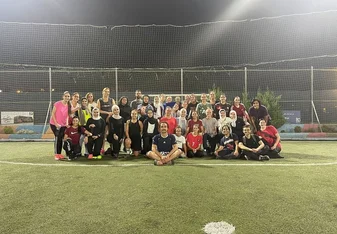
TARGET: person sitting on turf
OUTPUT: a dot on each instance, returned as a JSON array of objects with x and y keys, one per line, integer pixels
[
  {"x": 181, "y": 141},
  {"x": 252, "y": 147},
  {"x": 210, "y": 137},
  {"x": 72, "y": 137},
  {"x": 164, "y": 147},
  {"x": 229, "y": 145},
  {"x": 96, "y": 125},
  {"x": 271, "y": 138},
  {"x": 194, "y": 142}
]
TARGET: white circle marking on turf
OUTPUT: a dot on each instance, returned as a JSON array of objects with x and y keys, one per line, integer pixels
[
  {"x": 188, "y": 164},
  {"x": 219, "y": 228}
]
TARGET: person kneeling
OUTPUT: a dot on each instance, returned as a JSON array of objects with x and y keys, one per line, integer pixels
[
  {"x": 164, "y": 147},
  {"x": 252, "y": 147},
  {"x": 194, "y": 142},
  {"x": 229, "y": 145},
  {"x": 72, "y": 139}
]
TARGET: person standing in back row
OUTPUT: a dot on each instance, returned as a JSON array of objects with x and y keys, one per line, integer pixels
[
  {"x": 138, "y": 100},
  {"x": 59, "y": 122},
  {"x": 104, "y": 104}
]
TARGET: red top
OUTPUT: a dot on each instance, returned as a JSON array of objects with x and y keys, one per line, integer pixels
[
  {"x": 240, "y": 110},
  {"x": 74, "y": 135},
  {"x": 191, "y": 123},
  {"x": 172, "y": 122},
  {"x": 193, "y": 141},
  {"x": 269, "y": 135}
]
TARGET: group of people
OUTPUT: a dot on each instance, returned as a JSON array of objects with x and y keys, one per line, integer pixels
[{"x": 163, "y": 129}]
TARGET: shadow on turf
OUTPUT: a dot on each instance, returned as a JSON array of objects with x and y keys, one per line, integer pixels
[{"x": 106, "y": 160}]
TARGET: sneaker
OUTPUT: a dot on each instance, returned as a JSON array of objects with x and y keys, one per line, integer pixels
[
  {"x": 90, "y": 156},
  {"x": 102, "y": 152},
  {"x": 157, "y": 163},
  {"x": 56, "y": 157},
  {"x": 170, "y": 163},
  {"x": 61, "y": 157},
  {"x": 266, "y": 157}
]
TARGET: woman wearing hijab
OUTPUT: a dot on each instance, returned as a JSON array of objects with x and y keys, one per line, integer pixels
[
  {"x": 236, "y": 124},
  {"x": 115, "y": 131},
  {"x": 182, "y": 121},
  {"x": 223, "y": 120},
  {"x": 150, "y": 129},
  {"x": 95, "y": 125}
]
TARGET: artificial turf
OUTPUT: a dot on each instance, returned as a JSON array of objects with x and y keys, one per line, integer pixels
[{"x": 296, "y": 194}]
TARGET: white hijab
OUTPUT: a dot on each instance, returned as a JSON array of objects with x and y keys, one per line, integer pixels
[
  {"x": 115, "y": 116},
  {"x": 233, "y": 123},
  {"x": 92, "y": 114}
]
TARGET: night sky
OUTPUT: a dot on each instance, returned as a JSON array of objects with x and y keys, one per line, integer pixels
[{"x": 180, "y": 12}]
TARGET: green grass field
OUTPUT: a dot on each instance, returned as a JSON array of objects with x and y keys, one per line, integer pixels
[{"x": 297, "y": 194}]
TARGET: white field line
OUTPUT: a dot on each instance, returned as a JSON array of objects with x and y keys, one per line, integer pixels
[{"x": 69, "y": 164}]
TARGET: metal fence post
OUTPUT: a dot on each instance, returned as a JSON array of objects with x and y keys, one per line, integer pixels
[
  {"x": 116, "y": 77},
  {"x": 246, "y": 78},
  {"x": 50, "y": 103},
  {"x": 181, "y": 82},
  {"x": 312, "y": 94}
]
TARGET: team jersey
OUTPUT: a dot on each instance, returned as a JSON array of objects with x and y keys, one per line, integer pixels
[
  {"x": 194, "y": 141},
  {"x": 74, "y": 134},
  {"x": 164, "y": 144}
]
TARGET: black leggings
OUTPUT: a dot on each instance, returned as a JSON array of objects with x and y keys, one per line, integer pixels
[
  {"x": 94, "y": 146},
  {"x": 71, "y": 149},
  {"x": 255, "y": 156},
  {"x": 191, "y": 154},
  {"x": 59, "y": 134}
]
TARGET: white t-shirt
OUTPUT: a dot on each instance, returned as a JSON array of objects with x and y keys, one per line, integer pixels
[
  {"x": 150, "y": 128},
  {"x": 180, "y": 141}
]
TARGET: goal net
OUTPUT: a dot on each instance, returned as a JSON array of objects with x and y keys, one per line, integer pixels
[{"x": 294, "y": 56}]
